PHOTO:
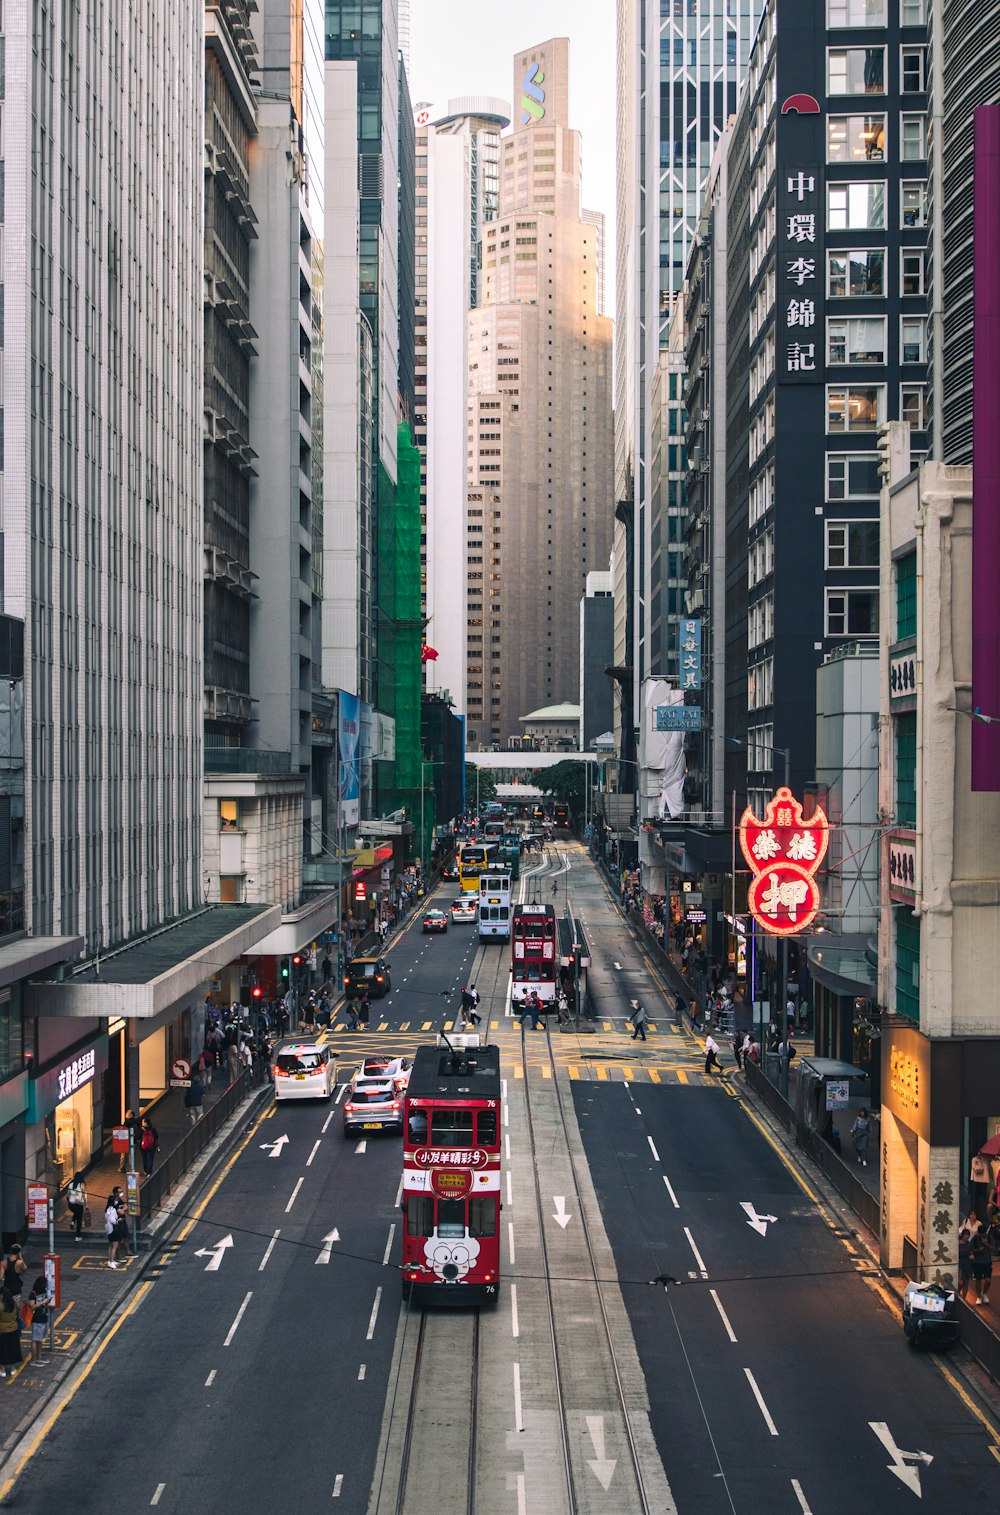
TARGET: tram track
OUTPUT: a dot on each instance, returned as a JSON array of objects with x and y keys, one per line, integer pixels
[
  {"x": 575, "y": 1476},
  {"x": 442, "y": 1415}
]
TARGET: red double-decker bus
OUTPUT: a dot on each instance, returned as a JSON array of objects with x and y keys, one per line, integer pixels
[
  {"x": 534, "y": 960},
  {"x": 451, "y": 1175}
]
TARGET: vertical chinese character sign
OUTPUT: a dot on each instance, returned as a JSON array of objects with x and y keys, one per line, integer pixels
[
  {"x": 690, "y": 653},
  {"x": 801, "y": 275},
  {"x": 784, "y": 852}
]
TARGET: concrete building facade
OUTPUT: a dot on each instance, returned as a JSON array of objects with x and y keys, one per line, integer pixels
[{"x": 539, "y": 419}]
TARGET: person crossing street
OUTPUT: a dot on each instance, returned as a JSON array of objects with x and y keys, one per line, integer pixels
[
  {"x": 712, "y": 1055},
  {"x": 640, "y": 1021}
]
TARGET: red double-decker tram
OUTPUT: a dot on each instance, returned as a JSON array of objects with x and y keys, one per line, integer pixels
[
  {"x": 451, "y": 1175},
  {"x": 534, "y": 960}
]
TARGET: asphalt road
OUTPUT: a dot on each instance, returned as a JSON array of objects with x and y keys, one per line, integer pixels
[{"x": 778, "y": 1380}]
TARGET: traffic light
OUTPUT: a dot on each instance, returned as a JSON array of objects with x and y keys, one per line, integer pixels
[
  {"x": 297, "y": 961},
  {"x": 284, "y": 967},
  {"x": 257, "y": 992}
]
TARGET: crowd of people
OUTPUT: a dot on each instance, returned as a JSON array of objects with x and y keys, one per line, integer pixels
[{"x": 19, "y": 1314}]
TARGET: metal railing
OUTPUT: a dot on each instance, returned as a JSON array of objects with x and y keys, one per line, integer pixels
[
  {"x": 176, "y": 1163},
  {"x": 980, "y": 1338}
]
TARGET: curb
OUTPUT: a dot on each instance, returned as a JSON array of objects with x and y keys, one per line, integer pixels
[{"x": 200, "y": 1173}]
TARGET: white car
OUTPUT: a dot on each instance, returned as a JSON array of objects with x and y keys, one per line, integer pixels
[
  {"x": 463, "y": 910},
  {"x": 303, "y": 1068},
  {"x": 397, "y": 1069}
]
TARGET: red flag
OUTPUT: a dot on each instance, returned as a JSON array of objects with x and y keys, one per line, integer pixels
[{"x": 428, "y": 654}]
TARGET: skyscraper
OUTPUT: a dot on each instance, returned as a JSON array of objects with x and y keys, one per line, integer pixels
[
  {"x": 539, "y": 437},
  {"x": 680, "y": 68},
  {"x": 458, "y": 191}
]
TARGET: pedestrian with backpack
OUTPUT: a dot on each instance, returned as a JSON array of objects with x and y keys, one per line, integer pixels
[
  {"x": 39, "y": 1302},
  {"x": 148, "y": 1144}
]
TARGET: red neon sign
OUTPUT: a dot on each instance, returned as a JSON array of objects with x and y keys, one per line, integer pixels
[{"x": 784, "y": 852}]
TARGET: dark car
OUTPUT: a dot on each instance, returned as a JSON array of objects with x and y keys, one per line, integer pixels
[
  {"x": 450, "y": 870},
  {"x": 367, "y": 975},
  {"x": 435, "y": 920}
]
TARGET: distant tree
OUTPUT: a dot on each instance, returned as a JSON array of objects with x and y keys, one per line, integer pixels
[
  {"x": 565, "y": 782},
  {"x": 487, "y": 786}
]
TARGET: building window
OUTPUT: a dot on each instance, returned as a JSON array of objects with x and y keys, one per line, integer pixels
[
  {"x": 855, "y": 71},
  {"x": 912, "y": 12},
  {"x": 856, "y": 206},
  {"x": 852, "y": 475},
  {"x": 912, "y": 339},
  {"x": 913, "y": 406},
  {"x": 907, "y": 962},
  {"x": 230, "y": 889},
  {"x": 855, "y": 272},
  {"x": 912, "y": 137},
  {"x": 855, "y": 139},
  {"x": 912, "y": 271},
  {"x": 852, "y": 544},
  {"x": 855, "y": 339},
  {"x": 913, "y": 70},
  {"x": 855, "y": 12},
  {"x": 905, "y": 727},
  {"x": 852, "y": 612},
  {"x": 854, "y": 409},
  {"x": 906, "y": 596},
  {"x": 229, "y": 815},
  {"x": 913, "y": 202}
]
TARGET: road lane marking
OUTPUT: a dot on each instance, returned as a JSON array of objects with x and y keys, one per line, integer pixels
[
  {"x": 515, "y": 1328},
  {"x": 506, "y": 1146},
  {"x": 267, "y": 1252},
  {"x": 295, "y": 1193},
  {"x": 510, "y": 1194},
  {"x": 399, "y": 1194},
  {"x": 510, "y": 1242},
  {"x": 697, "y": 1254},
  {"x": 361, "y": 1147},
  {"x": 652, "y": 1148},
  {"x": 189, "y": 1225},
  {"x": 374, "y": 1314},
  {"x": 682, "y": 1077},
  {"x": 338, "y": 1484},
  {"x": 158, "y": 1491},
  {"x": 518, "y": 1418},
  {"x": 426, "y": 1026},
  {"x": 725, "y": 1318},
  {"x": 388, "y": 1245},
  {"x": 209, "y": 1381},
  {"x": 312, "y": 1153},
  {"x": 797, "y": 1487},
  {"x": 326, "y": 1123},
  {"x": 670, "y": 1191},
  {"x": 404, "y": 1025},
  {"x": 758, "y": 1396},
  {"x": 239, "y": 1316},
  {"x": 522, "y": 1500}
]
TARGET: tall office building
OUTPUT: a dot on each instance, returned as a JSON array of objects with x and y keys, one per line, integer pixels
[
  {"x": 680, "y": 68},
  {"x": 539, "y": 421},
  {"x": 827, "y": 341},
  {"x": 458, "y": 191},
  {"x": 963, "y": 68}
]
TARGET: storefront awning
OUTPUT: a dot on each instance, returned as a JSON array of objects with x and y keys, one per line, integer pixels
[
  {"x": 841, "y": 968},
  {"x": 144, "y": 980},
  {"x": 36, "y": 954},
  {"x": 300, "y": 927}
]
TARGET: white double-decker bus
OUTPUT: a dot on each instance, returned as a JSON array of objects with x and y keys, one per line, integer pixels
[{"x": 494, "y": 906}]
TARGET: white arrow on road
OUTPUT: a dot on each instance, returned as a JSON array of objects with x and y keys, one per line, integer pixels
[
  {"x": 560, "y": 1217},
  {"x": 618, "y": 966},
  {"x": 273, "y": 1149},
  {"x": 759, "y": 1222},
  {"x": 603, "y": 1468},
  {"x": 215, "y": 1254},
  {"x": 328, "y": 1241},
  {"x": 901, "y": 1461}
]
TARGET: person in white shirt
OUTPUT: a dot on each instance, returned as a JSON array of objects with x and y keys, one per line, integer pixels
[{"x": 712, "y": 1054}]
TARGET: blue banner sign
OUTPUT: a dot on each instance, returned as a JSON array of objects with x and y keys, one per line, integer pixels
[
  {"x": 678, "y": 718},
  {"x": 690, "y": 654}
]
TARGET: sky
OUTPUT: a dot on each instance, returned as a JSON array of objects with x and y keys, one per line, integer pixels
[{"x": 467, "y": 47}]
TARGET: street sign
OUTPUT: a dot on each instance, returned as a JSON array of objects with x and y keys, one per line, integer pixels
[
  {"x": 132, "y": 1192},
  {"x": 180, "y": 1068},
  {"x": 50, "y": 1263},
  {"x": 838, "y": 1093},
  {"x": 38, "y": 1207},
  {"x": 119, "y": 1139},
  {"x": 180, "y": 1083}
]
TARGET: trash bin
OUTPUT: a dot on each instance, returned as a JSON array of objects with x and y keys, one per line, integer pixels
[{"x": 930, "y": 1315}]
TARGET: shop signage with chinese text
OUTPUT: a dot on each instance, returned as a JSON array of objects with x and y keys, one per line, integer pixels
[{"x": 784, "y": 851}]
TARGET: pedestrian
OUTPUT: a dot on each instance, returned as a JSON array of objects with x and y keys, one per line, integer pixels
[
  {"x": 121, "y": 1210},
  {"x": 981, "y": 1259},
  {"x": 131, "y": 1125},
  {"x": 790, "y": 1013},
  {"x": 327, "y": 968},
  {"x": 206, "y": 1065},
  {"x": 111, "y": 1231},
  {"x": 364, "y": 1010},
  {"x": 964, "y": 1262},
  {"x": 39, "y": 1301},
  {"x": 149, "y": 1140},
  {"x": 640, "y": 1020},
  {"x": 246, "y": 1056},
  {"x": 233, "y": 1060},
  {"x": 10, "y": 1336},
  {"x": 466, "y": 1004},
  {"x": 861, "y": 1135},
  {"x": 738, "y": 1048},
  {"x": 14, "y": 1269},
  {"x": 352, "y": 1015},
  {"x": 193, "y": 1097},
  {"x": 752, "y": 1053},
  {"x": 475, "y": 1017},
  {"x": 562, "y": 1007},
  {"x": 537, "y": 1012},
  {"x": 77, "y": 1198},
  {"x": 520, "y": 1007},
  {"x": 693, "y": 1013},
  {"x": 711, "y": 1055},
  {"x": 979, "y": 1183}
]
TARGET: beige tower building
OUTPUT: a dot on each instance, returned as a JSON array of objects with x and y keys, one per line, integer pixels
[{"x": 540, "y": 447}]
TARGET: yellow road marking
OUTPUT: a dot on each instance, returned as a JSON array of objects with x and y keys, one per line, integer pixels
[
  {"x": 426, "y": 1026},
  {"x": 682, "y": 1076},
  {"x": 572, "y": 1070},
  {"x": 601, "y": 1069},
  {"x": 383, "y": 1026},
  {"x": 969, "y": 1403},
  {"x": 627, "y": 1073},
  {"x": 995, "y": 1450},
  {"x": 518, "y": 1071},
  {"x": 47, "y": 1424},
  {"x": 607, "y": 1026},
  {"x": 546, "y": 1070},
  {"x": 654, "y": 1077},
  {"x": 650, "y": 1027},
  {"x": 65, "y": 1312},
  {"x": 783, "y": 1156},
  {"x": 404, "y": 1026}
]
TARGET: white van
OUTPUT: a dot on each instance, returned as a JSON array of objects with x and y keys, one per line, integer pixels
[{"x": 303, "y": 1068}]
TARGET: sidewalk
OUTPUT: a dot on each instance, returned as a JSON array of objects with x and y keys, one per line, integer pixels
[{"x": 91, "y": 1294}]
